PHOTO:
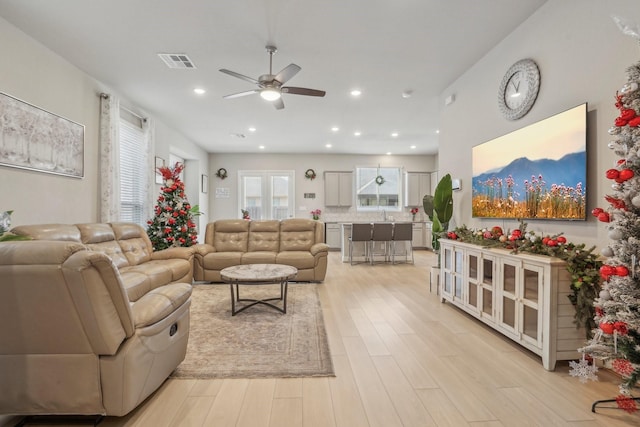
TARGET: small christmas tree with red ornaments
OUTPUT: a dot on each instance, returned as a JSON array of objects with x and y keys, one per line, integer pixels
[
  {"x": 173, "y": 223},
  {"x": 617, "y": 308}
]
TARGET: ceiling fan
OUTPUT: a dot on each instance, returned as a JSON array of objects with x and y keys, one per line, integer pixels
[{"x": 270, "y": 85}]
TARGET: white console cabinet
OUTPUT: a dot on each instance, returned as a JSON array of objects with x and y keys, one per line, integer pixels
[{"x": 522, "y": 296}]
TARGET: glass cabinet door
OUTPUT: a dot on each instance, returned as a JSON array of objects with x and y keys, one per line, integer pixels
[
  {"x": 487, "y": 286},
  {"x": 509, "y": 298},
  {"x": 459, "y": 266},
  {"x": 532, "y": 288},
  {"x": 447, "y": 264},
  {"x": 473, "y": 276}
]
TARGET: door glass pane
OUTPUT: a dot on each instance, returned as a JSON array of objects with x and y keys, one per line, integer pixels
[
  {"x": 280, "y": 197},
  {"x": 458, "y": 287},
  {"x": 509, "y": 276},
  {"x": 473, "y": 267},
  {"x": 447, "y": 283},
  {"x": 458, "y": 262},
  {"x": 509, "y": 312},
  {"x": 487, "y": 272},
  {"x": 530, "y": 327},
  {"x": 487, "y": 302},
  {"x": 473, "y": 295},
  {"x": 531, "y": 285},
  {"x": 253, "y": 196},
  {"x": 447, "y": 259}
]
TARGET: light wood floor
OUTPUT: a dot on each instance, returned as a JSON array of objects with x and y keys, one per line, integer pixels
[{"x": 402, "y": 358}]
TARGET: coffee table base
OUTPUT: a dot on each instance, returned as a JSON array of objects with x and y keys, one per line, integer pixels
[{"x": 235, "y": 298}]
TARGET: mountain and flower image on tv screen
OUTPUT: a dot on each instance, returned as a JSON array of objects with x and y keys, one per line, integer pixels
[{"x": 538, "y": 171}]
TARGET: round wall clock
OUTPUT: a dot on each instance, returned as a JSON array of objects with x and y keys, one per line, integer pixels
[{"x": 519, "y": 89}]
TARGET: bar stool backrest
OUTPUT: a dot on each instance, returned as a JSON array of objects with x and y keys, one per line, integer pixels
[
  {"x": 360, "y": 232},
  {"x": 403, "y": 231},
  {"x": 382, "y": 232}
]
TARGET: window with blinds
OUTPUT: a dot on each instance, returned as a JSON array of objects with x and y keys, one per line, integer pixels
[{"x": 132, "y": 170}]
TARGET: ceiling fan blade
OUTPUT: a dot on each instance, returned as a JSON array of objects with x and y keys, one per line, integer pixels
[
  {"x": 287, "y": 73},
  {"x": 240, "y": 76},
  {"x": 302, "y": 91},
  {"x": 239, "y": 94},
  {"x": 279, "y": 104}
]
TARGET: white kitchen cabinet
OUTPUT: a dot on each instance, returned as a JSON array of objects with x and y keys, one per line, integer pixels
[
  {"x": 418, "y": 234},
  {"x": 333, "y": 235},
  {"x": 522, "y": 296},
  {"x": 416, "y": 186},
  {"x": 338, "y": 188}
]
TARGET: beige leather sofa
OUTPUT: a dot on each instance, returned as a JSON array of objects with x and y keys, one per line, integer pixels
[
  {"x": 296, "y": 242},
  {"x": 93, "y": 321}
]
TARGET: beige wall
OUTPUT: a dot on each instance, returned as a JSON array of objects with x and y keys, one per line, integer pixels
[
  {"x": 38, "y": 76},
  {"x": 228, "y": 208},
  {"x": 582, "y": 58}
]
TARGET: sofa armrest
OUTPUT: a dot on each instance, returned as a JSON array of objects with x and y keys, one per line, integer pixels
[
  {"x": 204, "y": 248},
  {"x": 319, "y": 247},
  {"x": 174, "y": 252}
]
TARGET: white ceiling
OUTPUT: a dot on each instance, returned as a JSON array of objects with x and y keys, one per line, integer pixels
[{"x": 383, "y": 47}]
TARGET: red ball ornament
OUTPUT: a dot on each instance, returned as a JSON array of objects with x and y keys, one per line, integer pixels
[
  {"x": 621, "y": 327},
  {"x": 561, "y": 239},
  {"x": 621, "y": 270},
  {"x": 606, "y": 271},
  {"x": 612, "y": 174},
  {"x": 607, "y": 328},
  {"x": 604, "y": 217},
  {"x": 552, "y": 242},
  {"x": 626, "y": 174}
]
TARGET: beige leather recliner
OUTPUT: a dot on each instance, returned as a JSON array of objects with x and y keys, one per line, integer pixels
[{"x": 93, "y": 322}]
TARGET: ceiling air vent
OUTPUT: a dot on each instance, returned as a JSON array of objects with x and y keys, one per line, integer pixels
[{"x": 176, "y": 60}]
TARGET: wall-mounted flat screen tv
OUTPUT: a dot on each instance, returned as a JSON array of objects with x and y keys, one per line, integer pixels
[{"x": 536, "y": 172}]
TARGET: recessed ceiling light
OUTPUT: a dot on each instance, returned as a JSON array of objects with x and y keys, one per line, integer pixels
[
  {"x": 199, "y": 91},
  {"x": 252, "y": 129},
  {"x": 407, "y": 93},
  {"x": 357, "y": 133},
  {"x": 413, "y": 147},
  {"x": 261, "y": 147},
  {"x": 437, "y": 130},
  {"x": 356, "y": 92},
  {"x": 394, "y": 134},
  {"x": 335, "y": 129},
  {"x": 388, "y": 153},
  {"x": 328, "y": 145}
]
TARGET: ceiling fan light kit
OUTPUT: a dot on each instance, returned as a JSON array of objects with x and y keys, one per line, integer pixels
[{"x": 270, "y": 86}]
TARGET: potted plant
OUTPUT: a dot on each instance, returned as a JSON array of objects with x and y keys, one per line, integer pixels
[{"x": 439, "y": 208}]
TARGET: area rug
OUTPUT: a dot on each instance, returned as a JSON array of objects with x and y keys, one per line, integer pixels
[{"x": 259, "y": 342}]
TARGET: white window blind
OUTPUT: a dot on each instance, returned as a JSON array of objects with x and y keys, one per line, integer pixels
[{"x": 132, "y": 172}]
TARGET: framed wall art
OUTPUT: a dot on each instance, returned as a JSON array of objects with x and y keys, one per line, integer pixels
[{"x": 36, "y": 139}]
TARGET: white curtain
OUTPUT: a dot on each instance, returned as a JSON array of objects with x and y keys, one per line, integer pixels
[
  {"x": 149, "y": 129},
  {"x": 109, "y": 158}
]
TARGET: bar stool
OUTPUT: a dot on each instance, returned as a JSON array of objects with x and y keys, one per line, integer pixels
[
  {"x": 403, "y": 232},
  {"x": 382, "y": 232},
  {"x": 359, "y": 233}
]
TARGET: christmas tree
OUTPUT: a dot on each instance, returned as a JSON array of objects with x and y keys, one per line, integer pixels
[
  {"x": 173, "y": 223},
  {"x": 617, "y": 308}
]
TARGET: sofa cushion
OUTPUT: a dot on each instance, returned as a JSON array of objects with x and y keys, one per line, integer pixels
[
  {"x": 297, "y": 234},
  {"x": 160, "y": 303},
  {"x": 100, "y": 237},
  {"x": 135, "y": 283},
  {"x": 157, "y": 273},
  {"x": 299, "y": 259},
  {"x": 231, "y": 235},
  {"x": 264, "y": 236},
  {"x": 259, "y": 257},
  {"x": 220, "y": 260},
  {"x": 133, "y": 241},
  {"x": 49, "y": 232}
]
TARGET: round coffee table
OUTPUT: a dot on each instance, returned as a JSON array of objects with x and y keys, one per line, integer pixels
[{"x": 258, "y": 274}]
